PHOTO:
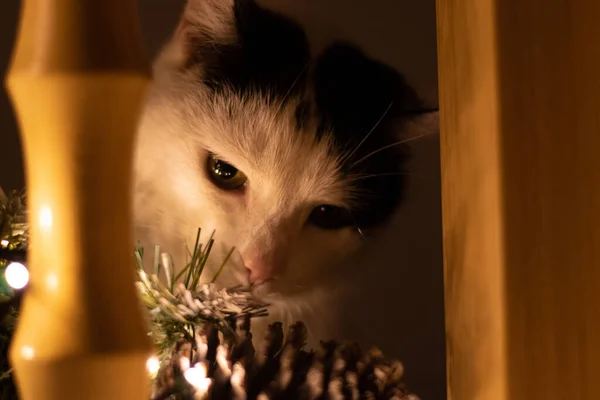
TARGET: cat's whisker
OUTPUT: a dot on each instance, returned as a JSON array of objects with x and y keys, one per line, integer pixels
[
  {"x": 287, "y": 94},
  {"x": 362, "y": 177},
  {"x": 360, "y": 232},
  {"x": 371, "y": 131},
  {"x": 357, "y": 227},
  {"x": 388, "y": 146}
]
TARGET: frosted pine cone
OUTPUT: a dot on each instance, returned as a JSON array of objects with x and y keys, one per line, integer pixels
[{"x": 227, "y": 367}]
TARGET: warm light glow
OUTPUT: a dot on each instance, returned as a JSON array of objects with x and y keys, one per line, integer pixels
[
  {"x": 52, "y": 281},
  {"x": 16, "y": 275},
  {"x": 184, "y": 363},
  {"x": 237, "y": 379},
  {"x": 4, "y": 243},
  {"x": 153, "y": 365},
  {"x": 202, "y": 349},
  {"x": 27, "y": 352},
  {"x": 45, "y": 217},
  {"x": 222, "y": 361},
  {"x": 197, "y": 378}
]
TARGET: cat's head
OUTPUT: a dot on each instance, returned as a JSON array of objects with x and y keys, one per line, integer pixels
[{"x": 291, "y": 159}]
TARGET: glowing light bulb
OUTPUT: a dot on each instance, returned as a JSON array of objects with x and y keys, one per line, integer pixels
[
  {"x": 16, "y": 275},
  {"x": 197, "y": 378},
  {"x": 153, "y": 365},
  {"x": 45, "y": 217},
  {"x": 4, "y": 243},
  {"x": 194, "y": 375}
]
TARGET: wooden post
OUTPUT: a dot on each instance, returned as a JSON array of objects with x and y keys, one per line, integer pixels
[
  {"x": 77, "y": 81},
  {"x": 520, "y": 138}
]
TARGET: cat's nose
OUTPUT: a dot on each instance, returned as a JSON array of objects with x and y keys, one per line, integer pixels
[
  {"x": 258, "y": 271},
  {"x": 254, "y": 277}
]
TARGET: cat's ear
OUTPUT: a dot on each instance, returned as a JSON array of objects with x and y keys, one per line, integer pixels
[
  {"x": 239, "y": 43},
  {"x": 208, "y": 21},
  {"x": 201, "y": 21}
]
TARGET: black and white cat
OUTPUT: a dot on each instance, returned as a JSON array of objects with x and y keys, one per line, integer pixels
[{"x": 292, "y": 158}]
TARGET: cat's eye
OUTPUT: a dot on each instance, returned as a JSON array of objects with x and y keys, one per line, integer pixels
[
  {"x": 330, "y": 217},
  {"x": 224, "y": 175}
]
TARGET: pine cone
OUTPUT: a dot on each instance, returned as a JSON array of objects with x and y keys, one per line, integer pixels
[{"x": 228, "y": 367}]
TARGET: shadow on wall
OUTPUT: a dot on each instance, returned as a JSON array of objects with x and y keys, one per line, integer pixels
[
  {"x": 400, "y": 33},
  {"x": 400, "y": 308},
  {"x": 11, "y": 170}
]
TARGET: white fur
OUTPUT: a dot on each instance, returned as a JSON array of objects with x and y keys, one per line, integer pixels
[{"x": 288, "y": 175}]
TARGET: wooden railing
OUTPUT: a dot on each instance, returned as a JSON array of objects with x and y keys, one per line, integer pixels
[
  {"x": 519, "y": 96},
  {"x": 520, "y": 138},
  {"x": 77, "y": 81}
]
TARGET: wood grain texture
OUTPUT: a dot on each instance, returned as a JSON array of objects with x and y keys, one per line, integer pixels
[
  {"x": 78, "y": 80},
  {"x": 519, "y": 94}
]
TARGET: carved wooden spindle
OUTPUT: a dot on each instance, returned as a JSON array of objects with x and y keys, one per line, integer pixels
[
  {"x": 77, "y": 81},
  {"x": 520, "y": 136}
]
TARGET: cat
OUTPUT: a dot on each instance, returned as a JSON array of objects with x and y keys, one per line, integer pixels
[{"x": 292, "y": 158}]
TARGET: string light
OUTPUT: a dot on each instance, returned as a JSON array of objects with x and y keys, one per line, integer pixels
[
  {"x": 17, "y": 276},
  {"x": 153, "y": 366},
  {"x": 196, "y": 376},
  {"x": 4, "y": 243}
]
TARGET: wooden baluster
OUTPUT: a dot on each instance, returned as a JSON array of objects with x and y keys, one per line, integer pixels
[
  {"x": 77, "y": 80},
  {"x": 520, "y": 137}
]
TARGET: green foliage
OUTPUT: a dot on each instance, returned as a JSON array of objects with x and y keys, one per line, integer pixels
[{"x": 13, "y": 223}]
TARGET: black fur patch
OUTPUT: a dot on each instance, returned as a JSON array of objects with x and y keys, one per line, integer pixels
[
  {"x": 357, "y": 100},
  {"x": 352, "y": 96},
  {"x": 271, "y": 55},
  {"x": 303, "y": 114}
]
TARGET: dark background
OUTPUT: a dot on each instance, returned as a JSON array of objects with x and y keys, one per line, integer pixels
[{"x": 402, "y": 34}]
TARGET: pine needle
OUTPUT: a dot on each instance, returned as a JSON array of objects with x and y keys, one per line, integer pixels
[
  {"x": 183, "y": 271},
  {"x": 197, "y": 246},
  {"x": 223, "y": 265},
  {"x": 202, "y": 263},
  {"x": 156, "y": 260},
  {"x": 138, "y": 256}
]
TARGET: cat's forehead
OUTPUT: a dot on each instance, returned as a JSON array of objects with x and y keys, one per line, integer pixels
[{"x": 265, "y": 140}]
